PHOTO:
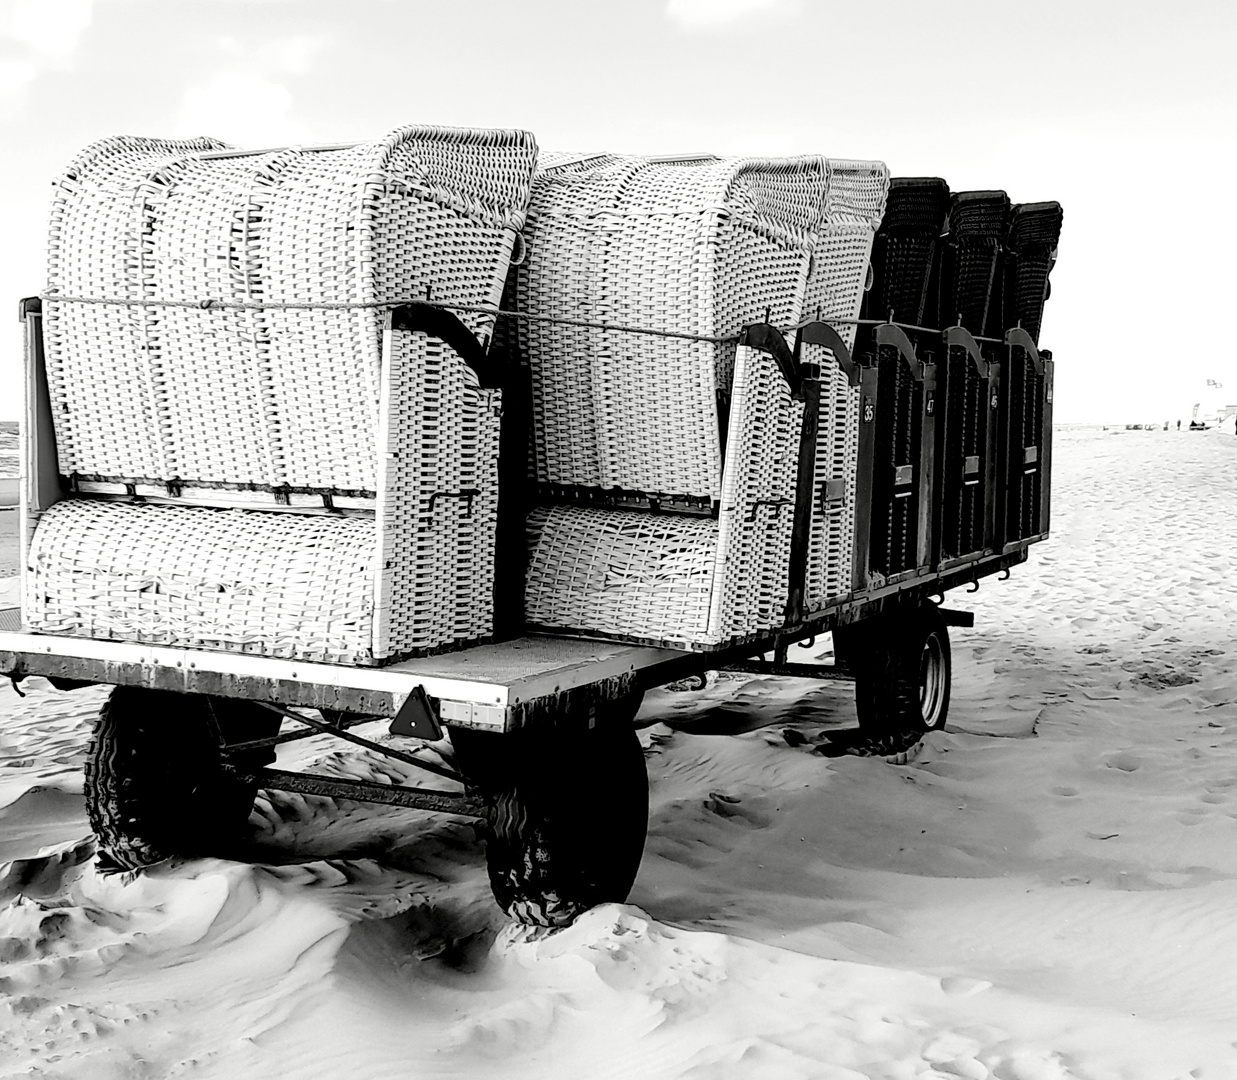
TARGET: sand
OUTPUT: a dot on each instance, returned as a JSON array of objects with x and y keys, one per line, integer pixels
[
  {"x": 1044, "y": 893},
  {"x": 9, "y": 542}
]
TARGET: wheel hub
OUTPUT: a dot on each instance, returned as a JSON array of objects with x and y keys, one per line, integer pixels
[{"x": 932, "y": 681}]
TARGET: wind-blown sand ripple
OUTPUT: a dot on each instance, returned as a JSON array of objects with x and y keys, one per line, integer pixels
[{"x": 1044, "y": 893}]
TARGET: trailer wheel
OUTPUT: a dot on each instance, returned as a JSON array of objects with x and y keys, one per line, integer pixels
[
  {"x": 903, "y": 667},
  {"x": 935, "y": 670},
  {"x": 566, "y": 813},
  {"x": 154, "y": 783}
]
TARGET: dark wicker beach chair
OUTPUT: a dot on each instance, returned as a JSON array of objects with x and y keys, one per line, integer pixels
[
  {"x": 1026, "y": 394},
  {"x": 967, "y": 262},
  {"x": 892, "y": 447},
  {"x": 965, "y": 282},
  {"x": 1030, "y": 251},
  {"x": 902, "y": 253}
]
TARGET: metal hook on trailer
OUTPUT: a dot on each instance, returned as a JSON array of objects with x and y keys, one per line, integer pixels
[
  {"x": 973, "y": 587},
  {"x": 937, "y": 598},
  {"x": 1004, "y": 575}
]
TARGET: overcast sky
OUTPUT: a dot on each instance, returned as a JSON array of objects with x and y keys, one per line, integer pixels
[{"x": 1126, "y": 113}]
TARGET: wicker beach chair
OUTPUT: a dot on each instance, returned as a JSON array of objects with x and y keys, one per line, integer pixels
[
  {"x": 1030, "y": 252},
  {"x": 966, "y": 448},
  {"x": 1025, "y": 436},
  {"x": 900, "y": 435},
  {"x": 666, "y": 464},
  {"x": 219, "y": 334},
  {"x": 835, "y": 292},
  {"x": 965, "y": 269},
  {"x": 904, "y": 247},
  {"x": 898, "y": 423},
  {"x": 966, "y": 287}
]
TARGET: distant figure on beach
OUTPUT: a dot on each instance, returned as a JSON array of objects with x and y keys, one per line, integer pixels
[{"x": 1178, "y": 425}]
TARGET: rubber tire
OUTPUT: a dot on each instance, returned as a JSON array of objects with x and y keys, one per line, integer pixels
[
  {"x": 154, "y": 787},
  {"x": 567, "y": 812},
  {"x": 887, "y": 655}
]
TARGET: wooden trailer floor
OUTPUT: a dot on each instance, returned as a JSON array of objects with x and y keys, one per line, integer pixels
[{"x": 489, "y": 679}]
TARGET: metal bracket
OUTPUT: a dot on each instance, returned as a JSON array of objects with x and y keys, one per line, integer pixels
[
  {"x": 1019, "y": 339},
  {"x": 769, "y": 339},
  {"x": 961, "y": 338},
  {"x": 468, "y": 494},
  {"x": 953, "y": 617},
  {"x": 821, "y": 333},
  {"x": 442, "y": 324},
  {"x": 833, "y": 495},
  {"x": 777, "y": 504},
  {"x": 894, "y": 336}
]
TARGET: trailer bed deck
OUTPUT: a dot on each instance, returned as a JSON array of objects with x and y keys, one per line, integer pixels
[
  {"x": 485, "y": 686},
  {"x": 476, "y": 686}
]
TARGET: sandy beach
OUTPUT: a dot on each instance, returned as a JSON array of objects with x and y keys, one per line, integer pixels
[
  {"x": 1044, "y": 893},
  {"x": 8, "y": 541}
]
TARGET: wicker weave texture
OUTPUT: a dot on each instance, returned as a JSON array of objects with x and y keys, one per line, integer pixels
[
  {"x": 678, "y": 578},
  {"x": 905, "y": 247},
  {"x": 1034, "y": 230},
  {"x": 607, "y": 415},
  {"x": 855, "y": 203},
  {"x": 415, "y": 576},
  {"x": 758, "y": 500},
  {"x": 700, "y": 246},
  {"x": 280, "y": 584},
  {"x": 438, "y": 500},
  {"x": 831, "y": 544},
  {"x": 968, "y": 260},
  {"x": 626, "y": 573},
  {"x": 835, "y": 290},
  {"x": 965, "y": 416},
  {"x": 267, "y": 396},
  {"x": 108, "y": 406}
]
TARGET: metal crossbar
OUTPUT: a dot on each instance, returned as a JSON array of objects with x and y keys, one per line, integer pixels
[
  {"x": 340, "y": 787},
  {"x": 347, "y": 736}
]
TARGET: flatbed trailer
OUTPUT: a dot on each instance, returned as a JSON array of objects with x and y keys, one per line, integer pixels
[
  {"x": 546, "y": 684},
  {"x": 952, "y": 483}
]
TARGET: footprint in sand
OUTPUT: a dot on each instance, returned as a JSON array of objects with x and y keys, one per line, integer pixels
[{"x": 1124, "y": 760}]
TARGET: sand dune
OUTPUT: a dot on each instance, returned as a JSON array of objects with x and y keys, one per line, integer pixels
[{"x": 1043, "y": 893}]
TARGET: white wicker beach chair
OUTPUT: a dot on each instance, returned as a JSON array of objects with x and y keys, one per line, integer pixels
[
  {"x": 218, "y": 331},
  {"x": 835, "y": 292},
  {"x": 688, "y": 247}
]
